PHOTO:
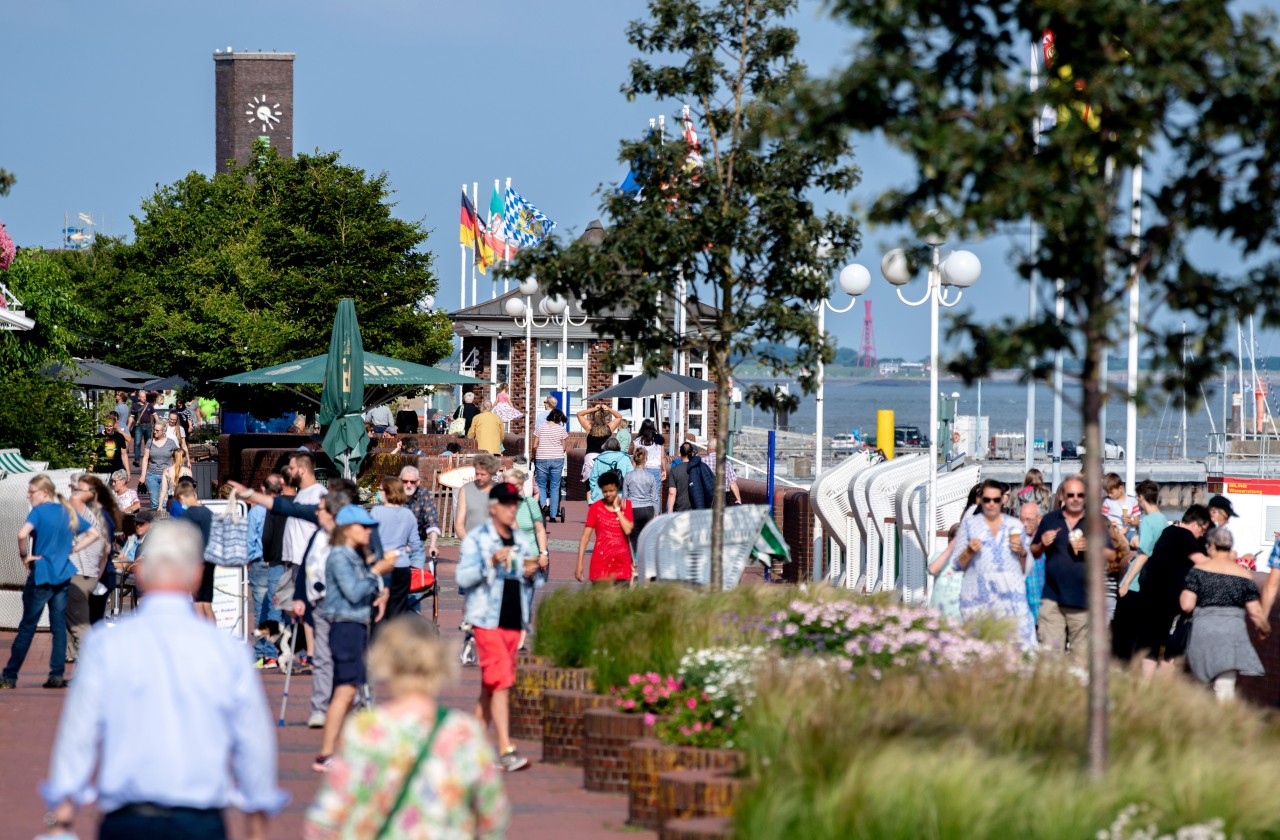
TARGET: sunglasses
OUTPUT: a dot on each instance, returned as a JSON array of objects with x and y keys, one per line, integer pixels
[
  {"x": 1073, "y": 495},
  {"x": 992, "y": 499},
  {"x": 408, "y": 481}
]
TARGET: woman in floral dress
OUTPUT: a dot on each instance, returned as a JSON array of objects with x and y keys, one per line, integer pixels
[
  {"x": 994, "y": 561},
  {"x": 454, "y": 792}
]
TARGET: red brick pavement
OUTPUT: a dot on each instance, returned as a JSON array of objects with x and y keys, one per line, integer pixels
[{"x": 547, "y": 801}]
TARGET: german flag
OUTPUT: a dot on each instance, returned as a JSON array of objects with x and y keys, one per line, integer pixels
[
  {"x": 471, "y": 233},
  {"x": 467, "y": 222}
]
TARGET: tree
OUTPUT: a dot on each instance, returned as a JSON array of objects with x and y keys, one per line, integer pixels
[
  {"x": 1188, "y": 83},
  {"x": 245, "y": 269},
  {"x": 7, "y": 180},
  {"x": 742, "y": 230},
  {"x": 43, "y": 417}
]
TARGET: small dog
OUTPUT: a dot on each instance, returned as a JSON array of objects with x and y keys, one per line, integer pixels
[{"x": 279, "y": 635}]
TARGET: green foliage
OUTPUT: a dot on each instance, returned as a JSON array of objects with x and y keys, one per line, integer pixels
[
  {"x": 44, "y": 419},
  {"x": 245, "y": 269},
  {"x": 41, "y": 282},
  {"x": 1193, "y": 85},
  {"x": 620, "y": 632},
  {"x": 741, "y": 231},
  {"x": 7, "y": 180},
  {"x": 989, "y": 753}
]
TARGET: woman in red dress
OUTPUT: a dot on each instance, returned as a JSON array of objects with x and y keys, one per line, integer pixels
[{"x": 611, "y": 520}]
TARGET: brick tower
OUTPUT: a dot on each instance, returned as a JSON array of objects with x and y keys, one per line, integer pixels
[{"x": 253, "y": 99}]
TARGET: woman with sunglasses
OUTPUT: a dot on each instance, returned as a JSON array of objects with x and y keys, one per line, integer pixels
[{"x": 994, "y": 561}]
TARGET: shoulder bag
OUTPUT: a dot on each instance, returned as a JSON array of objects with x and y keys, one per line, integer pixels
[
  {"x": 441, "y": 714},
  {"x": 228, "y": 538},
  {"x": 458, "y": 428}
]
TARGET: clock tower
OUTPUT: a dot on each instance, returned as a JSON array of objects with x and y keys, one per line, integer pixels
[{"x": 253, "y": 100}]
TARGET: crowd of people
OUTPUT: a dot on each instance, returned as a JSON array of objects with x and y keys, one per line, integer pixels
[
  {"x": 1174, "y": 591},
  {"x": 332, "y": 588}
]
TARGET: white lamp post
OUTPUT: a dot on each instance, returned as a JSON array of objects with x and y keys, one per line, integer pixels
[
  {"x": 958, "y": 271},
  {"x": 522, "y": 312},
  {"x": 558, "y": 312},
  {"x": 854, "y": 281}
]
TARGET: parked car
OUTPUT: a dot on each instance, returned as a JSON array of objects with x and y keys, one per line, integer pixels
[
  {"x": 1111, "y": 450},
  {"x": 1069, "y": 449},
  {"x": 908, "y": 436}
]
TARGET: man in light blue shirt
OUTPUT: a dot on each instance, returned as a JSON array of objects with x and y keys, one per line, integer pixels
[{"x": 197, "y": 737}]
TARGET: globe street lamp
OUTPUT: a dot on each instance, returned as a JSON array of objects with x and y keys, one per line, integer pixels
[
  {"x": 957, "y": 272},
  {"x": 522, "y": 312},
  {"x": 854, "y": 281}
]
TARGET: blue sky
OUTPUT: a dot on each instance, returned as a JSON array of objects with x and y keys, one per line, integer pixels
[{"x": 105, "y": 101}]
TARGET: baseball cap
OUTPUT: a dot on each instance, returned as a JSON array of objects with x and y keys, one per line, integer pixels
[
  {"x": 354, "y": 515},
  {"x": 1223, "y": 504},
  {"x": 144, "y": 516},
  {"x": 504, "y": 493}
]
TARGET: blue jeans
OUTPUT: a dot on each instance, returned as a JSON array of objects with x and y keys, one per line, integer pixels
[
  {"x": 153, "y": 489},
  {"x": 263, "y": 580},
  {"x": 34, "y": 599},
  {"x": 548, "y": 474},
  {"x": 141, "y": 434}
]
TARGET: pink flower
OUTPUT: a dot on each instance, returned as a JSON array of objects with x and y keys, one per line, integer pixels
[
  {"x": 654, "y": 678},
  {"x": 629, "y": 704},
  {"x": 692, "y": 703},
  {"x": 650, "y": 719},
  {"x": 633, "y": 679},
  {"x": 697, "y": 727}
]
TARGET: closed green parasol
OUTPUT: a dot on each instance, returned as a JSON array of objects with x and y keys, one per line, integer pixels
[{"x": 342, "y": 400}]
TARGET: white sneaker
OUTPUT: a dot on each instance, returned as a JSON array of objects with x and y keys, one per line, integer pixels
[
  {"x": 512, "y": 761},
  {"x": 316, "y": 721}
]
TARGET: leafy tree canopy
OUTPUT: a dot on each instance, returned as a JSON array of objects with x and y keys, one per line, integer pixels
[
  {"x": 742, "y": 230},
  {"x": 1190, "y": 84},
  {"x": 41, "y": 281},
  {"x": 245, "y": 269}
]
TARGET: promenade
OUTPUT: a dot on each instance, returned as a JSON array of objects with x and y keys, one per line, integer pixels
[{"x": 547, "y": 801}]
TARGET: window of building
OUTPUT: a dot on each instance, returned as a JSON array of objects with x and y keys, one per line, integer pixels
[
  {"x": 575, "y": 372},
  {"x": 501, "y": 365},
  {"x": 696, "y": 400}
]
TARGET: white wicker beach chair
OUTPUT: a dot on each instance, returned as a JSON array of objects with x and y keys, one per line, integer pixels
[
  {"x": 953, "y": 490},
  {"x": 830, "y": 498},
  {"x": 677, "y": 546}
]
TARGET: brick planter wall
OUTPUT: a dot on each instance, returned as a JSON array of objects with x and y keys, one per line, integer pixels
[
  {"x": 652, "y": 758},
  {"x": 606, "y": 748},
  {"x": 526, "y": 696},
  {"x": 698, "y": 793},
  {"x": 697, "y": 828},
  {"x": 563, "y": 724}
]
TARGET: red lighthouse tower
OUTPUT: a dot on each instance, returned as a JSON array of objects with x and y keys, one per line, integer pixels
[{"x": 867, "y": 356}]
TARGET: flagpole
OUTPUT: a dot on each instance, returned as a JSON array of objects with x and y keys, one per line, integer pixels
[
  {"x": 1131, "y": 405},
  {"x": 506, "y": 243},
  {"x": 1029, "y": 453},
  {"x": 462, "y": 279},
  {"x": 475, "y": 191}
]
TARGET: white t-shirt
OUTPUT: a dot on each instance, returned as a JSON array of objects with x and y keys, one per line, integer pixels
[
  {"x": 297, "y": 531},
  {"x": 1117, "y": 509}
]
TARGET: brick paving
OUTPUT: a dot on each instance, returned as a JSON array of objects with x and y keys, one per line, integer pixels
[{"x": 548, "y": 801}]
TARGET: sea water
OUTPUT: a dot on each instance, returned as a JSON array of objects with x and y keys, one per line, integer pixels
[{"x": 851, "y": 404}]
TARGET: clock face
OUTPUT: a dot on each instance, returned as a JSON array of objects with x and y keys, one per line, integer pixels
[{"x": 265, "y": 115}]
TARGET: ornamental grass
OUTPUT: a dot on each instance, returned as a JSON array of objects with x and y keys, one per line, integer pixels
[{"x": 992, "y": 752}]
